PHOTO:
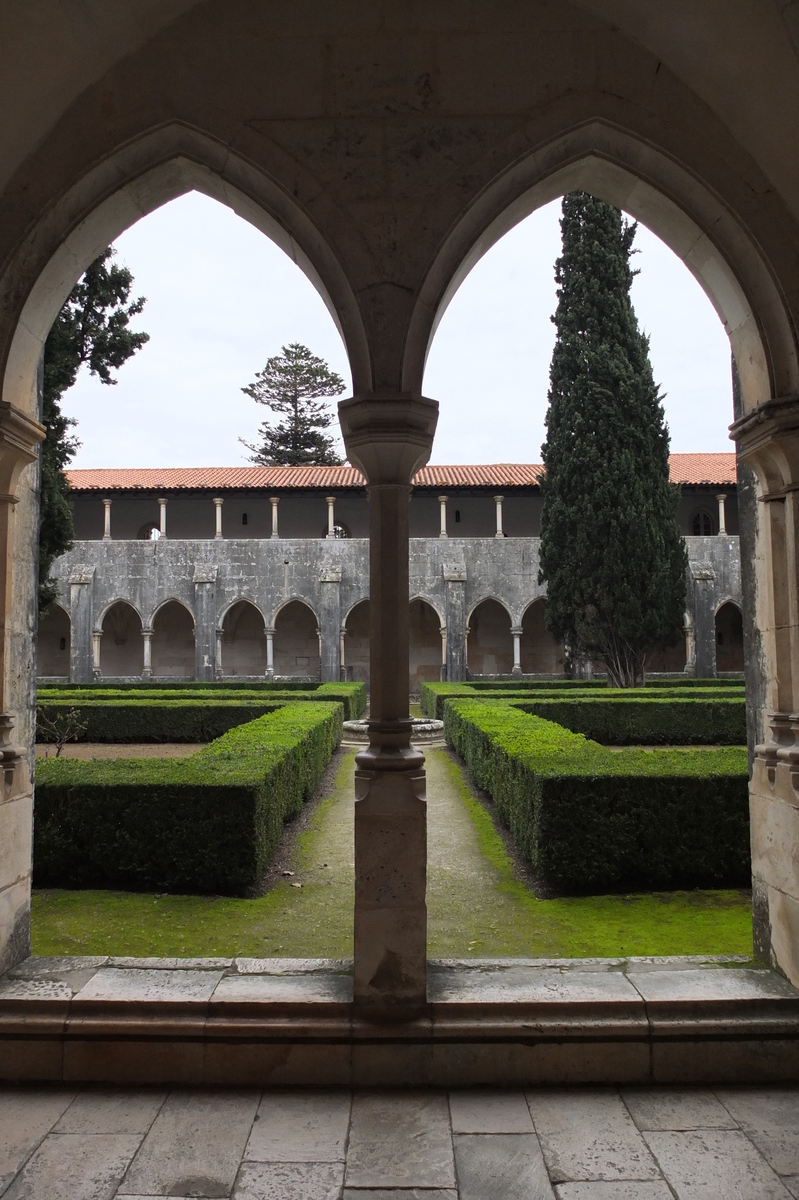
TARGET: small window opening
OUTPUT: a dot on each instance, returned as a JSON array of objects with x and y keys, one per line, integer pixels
[
  {"x": 702, "y": 525},
  {"x": 244, "y": 518},
  {"x": 62, "y": 645},
  {"x": 457, "y": 515}
]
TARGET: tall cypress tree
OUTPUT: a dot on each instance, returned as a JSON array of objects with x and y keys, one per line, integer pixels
[{"x": 611, "y": 552}]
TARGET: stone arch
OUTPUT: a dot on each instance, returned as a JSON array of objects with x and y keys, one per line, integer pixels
[
  {"x": 121, "y": 643},
  {"x": 489, "y": 642},
  {"x": 243, "y": 639},
  {"x": 541, "y": 652},
  {"x": 729, "y": 637},
  {"x": 53, "y": 642},
  {"x": 355, "y": 658},
  {"x": 158, "y": 166},
  {"x": 172, "y": 649},
  {"x": 620, "y": 168},
  {"x": 424, "y": 648},
  {"x": 296, "y": 644}
]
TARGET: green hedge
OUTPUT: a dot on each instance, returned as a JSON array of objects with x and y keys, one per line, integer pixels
[
  {"x": 630, "y": 720},
  {"x": 592, "y": 819},
  {"x": 351, "y": 695},
  {"x": 209, "y": 823}
]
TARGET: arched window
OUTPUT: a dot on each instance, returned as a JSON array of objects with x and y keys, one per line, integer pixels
[
  {"x": 702, "y": 524},
  {"x": 173, "y": 642},
  {"x": 243, "y": 640},
  {"x": 121, "y": 647},
  {"x": 297, "y": 641}
]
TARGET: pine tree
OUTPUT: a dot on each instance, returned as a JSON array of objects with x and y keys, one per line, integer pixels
[
  {"x": 611, "y": 551},
  {"x": 295, "y": 383},
  {"x": 92, "y": 330}
]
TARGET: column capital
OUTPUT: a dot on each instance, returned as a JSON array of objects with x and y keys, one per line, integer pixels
[
  {"x": 19, "y": 439},
  {"x": 768, "y": 441},
  {"x": 388, "y": 436}
]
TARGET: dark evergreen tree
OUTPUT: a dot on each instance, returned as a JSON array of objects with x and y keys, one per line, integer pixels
[
  {"x": 611, "y": 552},
  {"x": 92, "y": 330},
  {"x": 295, "y": 383}
]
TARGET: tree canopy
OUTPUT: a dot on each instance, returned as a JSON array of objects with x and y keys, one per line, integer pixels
[
  {"x": 611, "y": 552},
  {"x": 296, "y": 384},
  {"x": 91, "y": 330}
]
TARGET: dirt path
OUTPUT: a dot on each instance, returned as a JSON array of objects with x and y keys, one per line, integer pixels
[{"x": 88, "y": 750}]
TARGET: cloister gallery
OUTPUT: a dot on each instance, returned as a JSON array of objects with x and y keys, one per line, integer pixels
[
  {"x": 386, "y": 147},
  {"x": 263, "y": 571}
]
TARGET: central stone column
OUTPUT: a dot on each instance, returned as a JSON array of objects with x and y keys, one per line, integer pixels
[{"x": 389, "y": 439}]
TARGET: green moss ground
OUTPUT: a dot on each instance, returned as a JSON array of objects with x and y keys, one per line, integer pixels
[{"x": 476, "y": 906}]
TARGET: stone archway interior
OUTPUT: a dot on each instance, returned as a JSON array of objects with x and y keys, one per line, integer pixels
[
  {"x": 356, "y": 643},
  {"x": 53, "y": 643},
  {"x": 541, "y": 653},
  {"x": 729, "y": 638},
  {"x": 243, "y": 640},
  {"x": 121, "y": 646},
  {"x": 173, "y": 642},
  {"x": 490, "y": 644},
  {"x": 297, "y": 641},
  {"x": 424, "y": 651}
]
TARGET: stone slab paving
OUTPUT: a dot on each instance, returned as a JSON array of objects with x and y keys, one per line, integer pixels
[{"x": 652, "y": 1143}]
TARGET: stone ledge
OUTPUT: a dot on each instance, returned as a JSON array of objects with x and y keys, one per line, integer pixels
[{"x": 291, "y": 1022}]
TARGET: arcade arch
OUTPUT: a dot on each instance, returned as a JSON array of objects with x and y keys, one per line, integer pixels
[
  {"x": 355, "y": 643},
  {"x": 425, "y": 644},
  {"x": 121, "y": 642},
  {"x": 729, "y": 638},
  {"x": 489, "y": 642},
  {"x": 541, "y": 652},
  {"x": 296, "y": 641},
  {"x": 172, "y": 640},
  {"x": 243, "y": 640},
  {"x": 53, "y": 643}
]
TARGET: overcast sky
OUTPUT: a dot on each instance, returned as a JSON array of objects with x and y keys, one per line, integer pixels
[{"x": 222, "y": 298}]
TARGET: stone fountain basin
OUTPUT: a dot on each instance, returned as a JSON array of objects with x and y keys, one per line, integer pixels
[{"x": 424, "y": 730}]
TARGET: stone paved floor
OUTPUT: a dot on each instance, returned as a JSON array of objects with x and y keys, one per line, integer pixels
[{"x": 579, "y": 1144}]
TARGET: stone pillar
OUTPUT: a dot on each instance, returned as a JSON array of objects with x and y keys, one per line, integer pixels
[
  {"x": 455, "y": 615},
  {"x": 218, "y": 656},
  {"x": 442, "y": 500},
  {"x": 274, "y": 501},
  {"x": 498, "y": 501},
  {"x": 218, "y": 502},
  {"x": 331, "y": 516},
  {"x": 704, "y": 579},
  {"x": 517, "y": 649},
  {"x": 768, "y": 443},
  {"x": 690, "y": 645},
  {"x": 270, "y": 651},
  {"x": 107, "y": 520},
  {"x": 81, "y": 659},
  {"x": 204, "y": 621},
  {"x": 342, "y": 636},
  {"x": 443, "y": 634},
  {"x": 722, "y": 496},
  {"x": 97, "y": 637},
  {"x": 147, "y": 665},
  {"x": 389, "y": 439},
  {"x": 330, "y": 624},
  {"x": 162, "y": 502}
]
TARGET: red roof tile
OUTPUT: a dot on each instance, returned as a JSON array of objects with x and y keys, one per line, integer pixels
[{"x": 711, "y": 469}]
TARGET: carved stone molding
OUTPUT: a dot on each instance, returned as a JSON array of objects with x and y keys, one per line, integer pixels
[{"x": 388, "y": 438}]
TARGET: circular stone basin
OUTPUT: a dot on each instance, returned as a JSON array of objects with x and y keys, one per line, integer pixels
[{"x": 424, "y": 730}]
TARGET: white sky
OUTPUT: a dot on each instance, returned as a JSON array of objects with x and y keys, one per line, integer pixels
[{"x": 222, "y": 298}]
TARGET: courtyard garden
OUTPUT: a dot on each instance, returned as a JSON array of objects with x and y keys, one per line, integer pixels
[{"x": 563, "y": 821}]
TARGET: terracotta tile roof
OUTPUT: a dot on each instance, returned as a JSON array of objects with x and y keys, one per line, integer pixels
[{"x": 712, "y": 469}]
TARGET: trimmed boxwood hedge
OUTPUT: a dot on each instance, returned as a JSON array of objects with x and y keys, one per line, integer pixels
[
  {"x": 630, "y": 719},
  {"x": 209, "y": 823},
  {"x": 592, "y": 819},
  {"x": 351, "y": 695}
]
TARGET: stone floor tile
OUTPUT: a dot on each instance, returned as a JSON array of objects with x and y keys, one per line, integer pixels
[
  {"x": 769, "y": 1116},
  {"x": 26, "y": 1116},
  {"x": 286, "y": 989},
  {"x": 70, "y": 1165},
  {"x": 109, "y": 983},
  {"x": 510, "y": 1165},
  {"x": 714, "y": 1164},
  {"x": 35, "y": 989},
  {"x": 675, "y": 1108},
  {"x": 633, "y": 1190},
  {"x": 530, "y": 986},
  {"x": 712, "y": 983},
  {"x": 289, "y": 1181},
  {"x": 111, "y": 1111},
  {"x": 194, "y": 1145},
  {"x": 588, "y": 1134},
  {"x": 487, "y": 1111},
  {"x": 400, "y": 1194},
  {"x": 293, "y": 966},
  {"x": 300, "y": 1127},
  {"x": 400, "y": 1139},
  {"x": 172, "y": 964}
]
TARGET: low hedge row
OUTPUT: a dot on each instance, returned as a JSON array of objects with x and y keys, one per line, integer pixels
[
  {"x": 150, "y": 720},
  {"x": 630, "y": 720},
  {"x": 351, "y": 695},
  {"x": 209, "y": 823},
  {"x": 592, "y": 819}
]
